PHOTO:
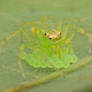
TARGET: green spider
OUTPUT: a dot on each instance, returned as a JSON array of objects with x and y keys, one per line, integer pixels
[{"x": 48, "y": 47}]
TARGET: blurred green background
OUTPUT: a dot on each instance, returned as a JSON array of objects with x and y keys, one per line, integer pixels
[{"x": 13, "y": 13}]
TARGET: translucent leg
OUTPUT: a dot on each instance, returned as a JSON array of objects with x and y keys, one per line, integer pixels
[
  {"x": 34, "y": 29},
  {"x": 28, "y": 23},
  {"x": 20, "y": 60},
  {"x": 9, "y": 37},
  {"x": 13, "y": 35},
  {"x": 69, "y": 47},
  {"x": 59, "y": 52},
  {"x": 82, "y": 31},
  {"x": 44, "y": 25},
  {"x": 66, "y": 29},
  {"x": 26, "y": 35},
  {"x": 90, "y": 46},
  {"x": 60, "y": 28},
  {"x": 68, "y": 41}
]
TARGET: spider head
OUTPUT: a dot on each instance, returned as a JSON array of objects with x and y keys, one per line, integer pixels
[{"x": 55, "y": 35}]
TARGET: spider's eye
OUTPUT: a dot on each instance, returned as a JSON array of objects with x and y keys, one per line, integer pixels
[
  {"x": 45, "y": 34},
  {"x": 50, "y": 38}
]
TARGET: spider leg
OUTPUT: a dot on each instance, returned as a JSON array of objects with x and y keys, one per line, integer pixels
[
  {"x": 64, "y": 38},
  {"x": 83, "y": 32},
  {"x": 66, "y": 29},
  {"x": 68, "y": 41},
  {"x": 20, "y": 60},
  {"x": 90, "y": 46},
  {"x": 34, "y": 29},
  {"x": 42, "y": 21},
  {"x": 28, "y": 24},
  {"x": 13, "y": 35},
  {"x": 89, "y": 36},
  {"x": 59, "y": 52},
  {"x": 21, "y": 48},
  {"x": 9, "y": 37},
  {"x": 69, "y": 46},
  {"x": 60, "y": 27}
]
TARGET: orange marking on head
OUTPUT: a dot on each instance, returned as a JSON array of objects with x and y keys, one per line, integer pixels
[{"x": 54, "y": 35}]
